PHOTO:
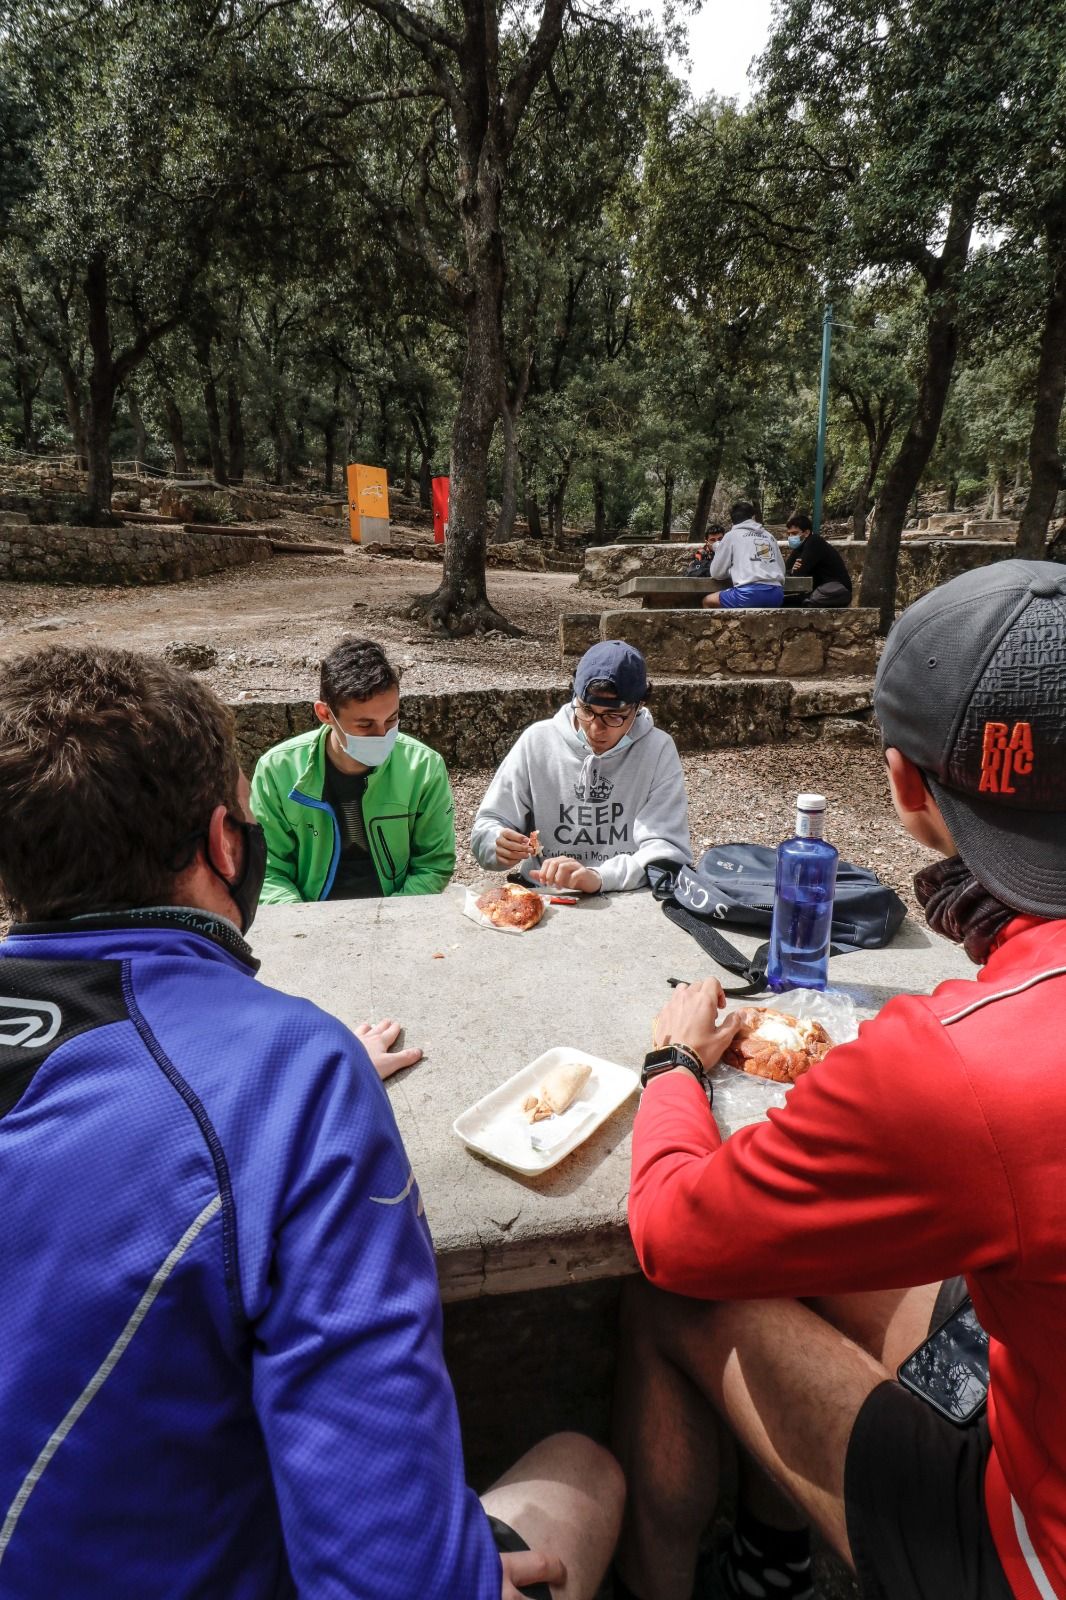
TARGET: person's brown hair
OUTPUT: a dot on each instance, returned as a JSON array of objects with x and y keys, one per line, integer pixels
[
  {"x": 111, "y": 764},
  {"x": 355, "y": 669}
]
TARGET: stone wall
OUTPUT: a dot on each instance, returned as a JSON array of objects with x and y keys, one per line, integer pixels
[
  {"x": 789, "y": 642},
  {"x": 126, "y": 555},
  {"x": 477, "y": 727},
  {"x": 924, "y": 562}
]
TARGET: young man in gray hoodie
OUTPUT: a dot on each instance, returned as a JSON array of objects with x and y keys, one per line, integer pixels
[{"x": 600, "y": 784}]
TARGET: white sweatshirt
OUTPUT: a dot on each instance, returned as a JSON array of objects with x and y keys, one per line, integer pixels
[
  {"x": 615, "y": 813},
  {"x": 748, "y": 554}
]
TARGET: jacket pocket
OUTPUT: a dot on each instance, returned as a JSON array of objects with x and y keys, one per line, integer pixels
[{"x": 391, "y": 838}]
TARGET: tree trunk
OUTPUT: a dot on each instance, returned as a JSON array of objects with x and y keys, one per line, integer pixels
[
  {"x": 668, "y": 506},
  {"x": 140, "y": 432},
  {"x": 509, "y": 487},
  {"x": 75, "y": 414},
  {"x": 531, "y": 506},
  {"x": 1045, "y": 462},
  {"x": 102, "y": 387},
  {"x": 953, "y": 493},
  {"x": 878, "y": 586},
  {"x": 24, "y": 386},
  {"x": 202, "y": 348},
  {"x": 702, "y": 514},
  {"x": 234, "y": 429},
  {"x": 998, "y": 487},
  {"x": 408, "y": 469},
  {"x": 599, "y": 501},
  {"x": 425, "y": 482},
  {"x": 175, "y": 430},
  {"x": 329, "y": 433},
  {"x": 460, "y": 604}
]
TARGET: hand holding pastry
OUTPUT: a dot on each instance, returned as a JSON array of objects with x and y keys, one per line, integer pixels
[
  {"x": 690, "y": 1018},
  {"x": 511, "y": 847}
]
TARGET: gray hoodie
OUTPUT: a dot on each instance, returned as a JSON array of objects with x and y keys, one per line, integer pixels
[{"x": 614, "y": 813}]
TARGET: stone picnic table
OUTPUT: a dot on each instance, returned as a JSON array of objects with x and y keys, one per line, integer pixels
[
  {"x": 668, "y": 593},
  {"x": 483, "y": 1004}
]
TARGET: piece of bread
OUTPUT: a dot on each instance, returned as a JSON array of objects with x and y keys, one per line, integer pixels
[
  {"x": 771, "y": 1044},
  {"x": 534, "y": 843},
  {"x": 559, "y": 1090},
  {"x": 511, "y": 906}
]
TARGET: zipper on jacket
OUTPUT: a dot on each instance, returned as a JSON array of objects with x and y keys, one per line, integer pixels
[{"x": 320, "y": 805}]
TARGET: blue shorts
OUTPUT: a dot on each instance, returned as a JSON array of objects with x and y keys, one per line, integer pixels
[{"x": 752, "y": 594}]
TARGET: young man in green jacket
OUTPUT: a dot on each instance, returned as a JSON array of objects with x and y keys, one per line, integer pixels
[{"x": 354, "y": 809}]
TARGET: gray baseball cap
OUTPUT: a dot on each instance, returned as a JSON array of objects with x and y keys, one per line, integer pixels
[{"x": 972, "y": 688}]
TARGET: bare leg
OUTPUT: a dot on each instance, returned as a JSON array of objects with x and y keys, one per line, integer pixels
[
  {"x": 565, "y": 1496},
  {"x": 711, "y": 599},
  {"x": 787, "y": 1383},
  {"x": 889, "y": 1323}
]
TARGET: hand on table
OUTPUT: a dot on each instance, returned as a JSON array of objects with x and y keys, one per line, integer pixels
[
  {"x": 526, "y": 1567},
  {"x": 379, "y": 1038},
  {"x": 512, "y": 847},
  {"x": 561, "y": 872},
  {"x": 690, "y": 1017}
]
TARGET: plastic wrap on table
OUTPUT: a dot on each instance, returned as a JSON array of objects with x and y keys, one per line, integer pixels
[{"x": 744, "y": 1097}]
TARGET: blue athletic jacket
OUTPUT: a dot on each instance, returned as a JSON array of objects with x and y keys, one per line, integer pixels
[{"x": 220, "y": 1331}]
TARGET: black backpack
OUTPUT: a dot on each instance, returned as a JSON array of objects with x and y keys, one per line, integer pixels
[{"x": 734, "y": 884}]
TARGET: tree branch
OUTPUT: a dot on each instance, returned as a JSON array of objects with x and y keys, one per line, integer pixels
[{"x": 532, "y": 67}]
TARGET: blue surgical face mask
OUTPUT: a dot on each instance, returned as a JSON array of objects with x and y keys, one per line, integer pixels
[
  {"x": 795, "y": 540},
  {"x": 370, "y": 750}
]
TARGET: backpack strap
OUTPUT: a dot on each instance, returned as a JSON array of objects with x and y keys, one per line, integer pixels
[{"x": 724, "y": 954}]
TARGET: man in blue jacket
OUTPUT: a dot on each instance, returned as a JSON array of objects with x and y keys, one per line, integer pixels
[{"x": 221, "y": 1370}]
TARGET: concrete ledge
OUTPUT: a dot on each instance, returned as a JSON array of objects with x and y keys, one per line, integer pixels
[
  {"x": 578, "y": 632},
  {"x": 786, "y": 642},
  {"x": 477, "y": 727}
]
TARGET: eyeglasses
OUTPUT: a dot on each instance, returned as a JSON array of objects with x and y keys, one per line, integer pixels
[{"x": 610, "y": 719}]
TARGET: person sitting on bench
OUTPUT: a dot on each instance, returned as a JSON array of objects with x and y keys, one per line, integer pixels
[
  {"x": 750, "y": 559},
  {"x": 700, "y": 565},
  {"x": 811, "y": 556}
]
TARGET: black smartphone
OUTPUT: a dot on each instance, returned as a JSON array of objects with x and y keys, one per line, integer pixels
[{"x": 950, "y": 1370}]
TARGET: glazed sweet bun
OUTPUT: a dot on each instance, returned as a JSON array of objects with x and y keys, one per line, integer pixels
[
  {"x": 771, "y": 1044},
  {"x": 511, "y": 906}
]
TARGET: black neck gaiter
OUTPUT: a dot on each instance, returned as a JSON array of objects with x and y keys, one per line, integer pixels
[{"x": 960, "y": 908}]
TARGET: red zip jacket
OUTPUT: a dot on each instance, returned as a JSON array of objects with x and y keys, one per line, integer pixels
[{"x": 934, "y": 1144}]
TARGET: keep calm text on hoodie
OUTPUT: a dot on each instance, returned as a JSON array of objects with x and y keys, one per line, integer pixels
[{"x": 614, "y": 812}]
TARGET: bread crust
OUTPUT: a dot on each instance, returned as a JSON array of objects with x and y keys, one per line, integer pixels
[
  {"x": 511, "y": 907},
  {"x": 766, "y": 1057}
]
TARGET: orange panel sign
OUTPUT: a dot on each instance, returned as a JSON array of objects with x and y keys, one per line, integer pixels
[{"x": 368, "y": 503}]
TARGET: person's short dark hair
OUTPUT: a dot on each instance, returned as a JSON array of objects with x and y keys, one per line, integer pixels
[
  {"x": 800, "y": 520},
  {"x": 741, "y": 511},
  {"x": 111, "y": 764},
  {"x": 355, "y": 669},
  {"x": 715, "y": 531}
]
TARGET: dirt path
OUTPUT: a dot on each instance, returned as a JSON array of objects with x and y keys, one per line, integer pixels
[{"x": 272, "y": 623}]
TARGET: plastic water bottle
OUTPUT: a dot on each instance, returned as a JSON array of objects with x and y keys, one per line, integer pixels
[{"x": 803, "y": 902}]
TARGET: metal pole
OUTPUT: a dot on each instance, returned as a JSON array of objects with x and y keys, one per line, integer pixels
[{"x": 823, "y": 413}]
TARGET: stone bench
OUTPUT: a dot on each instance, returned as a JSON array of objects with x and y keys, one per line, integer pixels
[
  {"x": 785, "y": 642},
  {"x": 659, "y": 594}
]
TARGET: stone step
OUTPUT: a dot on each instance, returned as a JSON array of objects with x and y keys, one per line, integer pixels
[{"x": 785, "y": 642}]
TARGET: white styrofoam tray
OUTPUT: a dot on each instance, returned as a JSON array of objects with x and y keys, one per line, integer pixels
[{"x": 496, "y": 1125}]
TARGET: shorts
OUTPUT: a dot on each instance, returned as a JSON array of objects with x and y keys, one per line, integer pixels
[
  {"x": 752, "y": 594},
  {"x": 914, "y": 1496},
  {"x": 508, "y": 1543}
]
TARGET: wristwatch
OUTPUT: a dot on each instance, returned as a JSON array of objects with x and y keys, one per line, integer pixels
[{"x": 675, "y": 1055}]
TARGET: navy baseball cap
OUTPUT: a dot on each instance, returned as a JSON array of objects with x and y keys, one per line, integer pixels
[
  {"x": 614, "y": 662},
  {"x": 972, "y": 688}
]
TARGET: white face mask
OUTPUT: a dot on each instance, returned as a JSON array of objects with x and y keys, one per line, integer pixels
[{"x": 370, "y": 750}]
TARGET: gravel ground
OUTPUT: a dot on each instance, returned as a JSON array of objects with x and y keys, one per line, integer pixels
[
  {"x": 272, "y": 624},
  {"x": 749, "y": 795}
]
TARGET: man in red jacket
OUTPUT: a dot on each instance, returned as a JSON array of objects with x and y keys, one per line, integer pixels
[{"x": 931, "y": 1146}]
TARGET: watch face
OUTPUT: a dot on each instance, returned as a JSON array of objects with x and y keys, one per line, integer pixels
[{"x": 657, "y": 1061}]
